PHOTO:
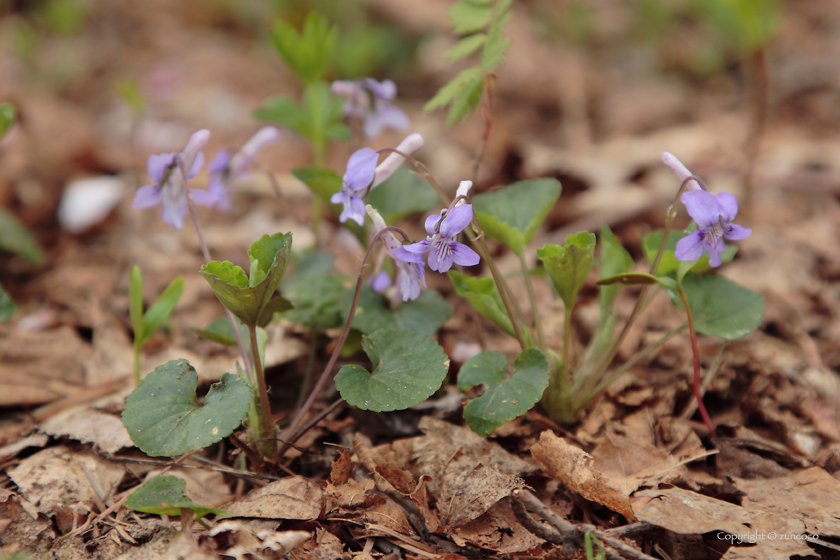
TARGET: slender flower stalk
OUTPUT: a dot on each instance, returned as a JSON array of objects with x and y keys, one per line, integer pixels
[{"x": 291, "y": 429}]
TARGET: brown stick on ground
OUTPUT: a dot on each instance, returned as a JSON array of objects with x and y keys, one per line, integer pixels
[{"x": 570, "y": 535}]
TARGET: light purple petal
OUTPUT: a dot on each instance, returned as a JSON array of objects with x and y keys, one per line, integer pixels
[
  {"x": 714, "y": 257},
  {"x": 690, "y": 247},
  {"x": 157, "y": 164},
  {"x": 463, "y": 255},
  {"x": 345, "y": 88},
  {"x": 715, "y": 249},
  {"x": 456, "y": 220},
  {"x": 147, "y": 196},
  {"x": 393, "y": 161},
  {"x": 681, "y": 170},
  {"x": 410, "y": 284},
  {"x": 384, "y": 116},
  {"x": 174, "y": 210},
  {"x": 219, "y": 161},
  {"x": 413, "y": 253},
  {"x": 354, "y": 209},
  {"x": 440, "y": 255},
  {"x": 736, "y": 232},
  {"x": 246, "y": 155},
  {"x": 728, "y": 206},
  {"x": 193, "y": 148},
  {"x": 380, "y": 282},
  {"x": 386, "y": 89},
  {"x": 361, "y": 168},
  {"x": 431, "y": 222},
  {"x": 703, "y": 207},
  {"x": 341, "y": 197},
  {"x": 197, "y": 163},
  {"x": 204, "y": 198}
]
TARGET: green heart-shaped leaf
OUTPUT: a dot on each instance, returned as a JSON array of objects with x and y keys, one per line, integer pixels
[
  {"x": 316, "y": 299},
  {"x": 425, "y": 315},
  {"x": 408, "y": 368},
  {"x": 167, "y": 495},
  {"x": 247, "y": 297},
  {"x": 163, "y": 416},
  {"x": 721, "y": 307},
  {"x": 484, "y": 297},
  {"x": 506, "y": 397},
  {"x": 513, "y": 214},
  {"x": 569, "y": 266}
]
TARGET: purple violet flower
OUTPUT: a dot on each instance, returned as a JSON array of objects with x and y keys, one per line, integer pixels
[
  {"x": 713, "y": 215},
  {"x": 370, "y": 101},
  {"x": 411, "y": 275},
  {"x": 361, "y": 170},
  {"x": 440, "y": 244},
  {"x": 170, "y": 173},
  {"x": 363, "y": 175},
  {"x": 224, "y": 169}
]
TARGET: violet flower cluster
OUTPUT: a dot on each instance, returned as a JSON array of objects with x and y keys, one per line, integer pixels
[
  {"x": 363, "y": 175},
  {"x": 443, "y": 249},
  {"x": 713, "y": 214},
  {"x": 370, "y": 101},
  {"x": 171, "y": 171}
]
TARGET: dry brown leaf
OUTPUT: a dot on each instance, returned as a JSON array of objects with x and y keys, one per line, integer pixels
[
  {"x": 341, "y": 465},
  {"x": 685, "y": 512},
  {"x": 59, "y": 478},
  {"x": 775, "y": 514},
  {"x": 12, "y": 449},
  {"x": 634, "y": 465},
  {"x": 288, "y": 498},
  {"x": 249, "y": 541},
  {"x": 809, "y": 496},
  {"x": 497, "y": 530},
  {"x": 325, "y": 546},
  {"x": 89, "y": 426},
  {"x": 349, "y": 497},
  {"x": 169, "y": 545},
  {"x": 40, "y": 367},
  {"x": 18, "y": 527},
  {"x": 467, "y": 474},
  {"x": 575, "y": 469}
]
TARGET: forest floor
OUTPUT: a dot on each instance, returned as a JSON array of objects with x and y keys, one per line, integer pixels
[{"x": 595, "y": 114}]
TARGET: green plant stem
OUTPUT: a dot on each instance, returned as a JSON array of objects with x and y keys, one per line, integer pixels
[
  {"x": 695, "y": 350},
  {"x": 567, "y": 344},
  {"x": 669, "y": 222},
  {"x": 206, "y": 253},
  {"x": 517, "y": 318},
  {"x": 533, "y": 299},
  {"x": 136, "y": 364},
  {"x": 638, "y": 356},
  {"x": 288, "y": 433},
  {"x": 265, "y": 405}
]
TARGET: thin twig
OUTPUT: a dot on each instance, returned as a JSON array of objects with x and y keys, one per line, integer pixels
[{"x": 572, "y": 534}]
